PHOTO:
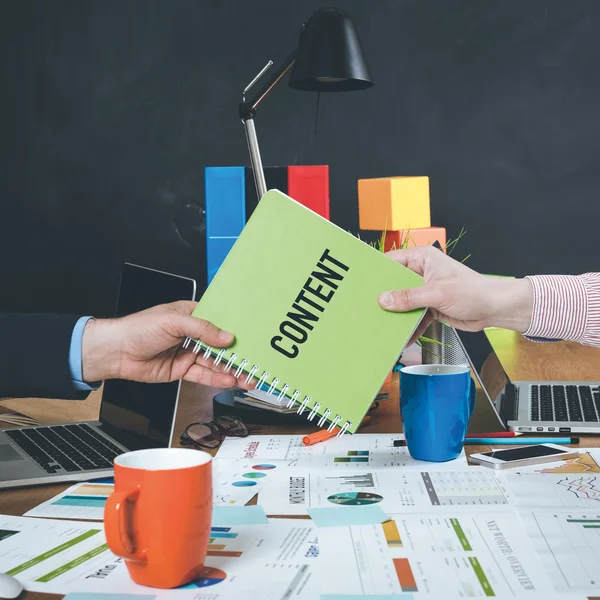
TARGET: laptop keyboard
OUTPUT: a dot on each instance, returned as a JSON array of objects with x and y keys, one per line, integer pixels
[
  {"x": 70, "y": 447},
  {"x": 565, "y": 403}
]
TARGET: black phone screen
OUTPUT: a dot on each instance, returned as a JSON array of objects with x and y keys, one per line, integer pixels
[{"x": 524, "y": 452}]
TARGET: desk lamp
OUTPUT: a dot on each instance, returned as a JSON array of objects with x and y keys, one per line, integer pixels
[{"x": 328, "y": 58}]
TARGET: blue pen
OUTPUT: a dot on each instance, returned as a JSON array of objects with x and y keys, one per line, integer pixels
[{"x": 521, "y": 441}]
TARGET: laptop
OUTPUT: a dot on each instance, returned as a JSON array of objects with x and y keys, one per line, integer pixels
[
  {"x": 133, "y": 415},
  {"x": 532, "y": 406}
]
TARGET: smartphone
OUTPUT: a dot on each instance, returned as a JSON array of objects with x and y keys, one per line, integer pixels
[{"x": 523, "y": 456}]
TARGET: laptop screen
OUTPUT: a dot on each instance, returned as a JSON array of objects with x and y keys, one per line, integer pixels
[
  {"x": 485, "y": 362},
  {"x": 141, "y": 415}
]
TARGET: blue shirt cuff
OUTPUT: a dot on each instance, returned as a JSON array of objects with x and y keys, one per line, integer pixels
[{"x": 75, "y": 365}]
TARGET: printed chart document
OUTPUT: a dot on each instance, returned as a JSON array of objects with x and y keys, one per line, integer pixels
[
  {"x": 293, "y": 491},
  {"x": 566, "y": 490},
  {"x": 568, "y": 545},
  {"x": 345, "y": 453},
  {"x": 588, "y": 461},
  {"x": 50, "y": 555},
  {"x": 235, "y": 482},
  {"x": 238, "y": 481},
  {"x": 443, "y": 555},
  {"x": 82, "y": 501},
  {"x": 276, "y": 561}
]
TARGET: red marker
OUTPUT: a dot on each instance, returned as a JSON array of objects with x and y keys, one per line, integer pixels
[
  {"x": 496, "y": 434},
  {"x": 323, "y": 434}
]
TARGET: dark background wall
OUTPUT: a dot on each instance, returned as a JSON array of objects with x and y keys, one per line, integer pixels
[{"x": 110, "y": 110}]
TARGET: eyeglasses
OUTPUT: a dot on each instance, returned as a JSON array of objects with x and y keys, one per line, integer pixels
[{"x": 212, "y": 434}]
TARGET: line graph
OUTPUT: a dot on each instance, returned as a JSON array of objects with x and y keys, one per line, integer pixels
[
  {"x": 581, "y": 487},
  {"x": 577, "y": 490}
]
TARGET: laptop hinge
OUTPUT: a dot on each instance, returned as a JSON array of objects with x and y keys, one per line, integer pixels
[{"x": 509, "y": 407}]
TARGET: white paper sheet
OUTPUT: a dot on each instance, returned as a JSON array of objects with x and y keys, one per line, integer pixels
[
  {"x": 568, "y": 546},
  {"x": 446, "y": 555},
  {"x": 348, "y": 452},
  {"x": 566, "y": 490},
  {"x": 293, "y": 491},
  {"x": 407, "y": 596},
  {"x": 253, "y": 561}
]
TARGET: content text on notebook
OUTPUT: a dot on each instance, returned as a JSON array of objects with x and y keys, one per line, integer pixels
[
  {"x": 300, "y": 319},
  {"x": 300, "y": 296}
]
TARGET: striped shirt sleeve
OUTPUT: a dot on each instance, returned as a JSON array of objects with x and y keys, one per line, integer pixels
[{"x": 566, "y": 307}]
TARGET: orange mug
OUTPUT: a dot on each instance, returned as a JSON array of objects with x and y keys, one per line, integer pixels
[{"x": 158, "y": 518}]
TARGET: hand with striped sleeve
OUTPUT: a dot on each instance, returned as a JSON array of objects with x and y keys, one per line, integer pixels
[
  {"x": 548, "y": 307},
  {"x": 566, "y": 307}
]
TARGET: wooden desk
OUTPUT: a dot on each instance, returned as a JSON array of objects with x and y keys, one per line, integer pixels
[{"x": 522, "y": 359}]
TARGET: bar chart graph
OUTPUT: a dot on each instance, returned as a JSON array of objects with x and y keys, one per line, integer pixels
[
  {"x": 586, "y": 523},
  {"x": 436, "y": 533},
  {"x": 217, "y": 543},
  {"x": 568, "y": 544},
  {"x": 460, "y": 534},
  {"x": 353, "y": 456},
  {"x": 87, "y": 501},
  {"x": 361, "y": 480},
  {"x": 392, "y": 535},
  {"x": 81, "y": 501},
  {"x": 405, "y": 575}
]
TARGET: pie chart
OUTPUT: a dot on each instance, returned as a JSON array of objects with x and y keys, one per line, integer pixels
[
  {"x": 355, "y": 498},
  {"x": 208, "y": 576},
  {"x": 243, "y": 483},
  {"x": 263, "y": 467},
  {"x": 252, "y": 475}
]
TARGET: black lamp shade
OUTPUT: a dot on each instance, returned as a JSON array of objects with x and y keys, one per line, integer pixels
[{"x": 330, "y": 58}]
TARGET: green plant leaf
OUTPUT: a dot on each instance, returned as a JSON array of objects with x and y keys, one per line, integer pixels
[{"x": 432, "y": 341}]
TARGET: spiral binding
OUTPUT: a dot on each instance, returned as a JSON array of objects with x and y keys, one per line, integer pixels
[{"x": 218, "y": 356}]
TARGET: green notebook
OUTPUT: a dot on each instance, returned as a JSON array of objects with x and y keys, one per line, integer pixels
[{"x": 300, "y": 296}]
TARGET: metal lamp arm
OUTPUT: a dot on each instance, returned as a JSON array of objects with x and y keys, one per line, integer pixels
[
  {"x": 247, "y": 111},
  {"x": 247, "y": 106}
]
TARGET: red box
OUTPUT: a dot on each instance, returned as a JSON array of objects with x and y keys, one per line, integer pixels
[{"x": 309, "y": 185}]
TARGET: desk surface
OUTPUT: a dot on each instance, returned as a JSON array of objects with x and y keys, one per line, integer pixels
[{"x": 523, "y": 360}]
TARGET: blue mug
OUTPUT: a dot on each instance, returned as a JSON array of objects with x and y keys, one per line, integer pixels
[{"x": 436, "y": 403}]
